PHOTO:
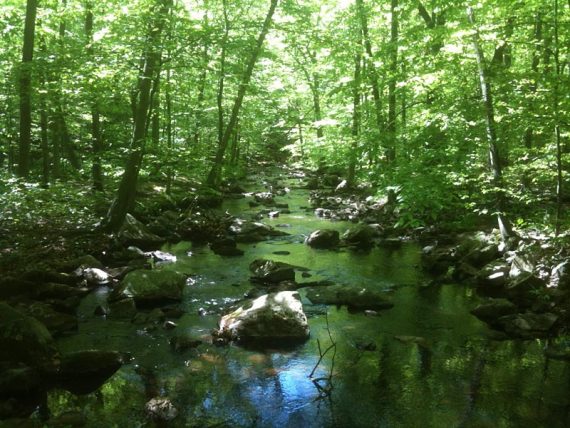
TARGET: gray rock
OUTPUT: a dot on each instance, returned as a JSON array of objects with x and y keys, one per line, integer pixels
[
  {"x": 323, "y": 238},
  {"x": 56, "y": 322},
  {"x": 265, "y": 198},
  {"x": 133, "y": 232},
  {"x": 357, "y": 298},
  {"x": 528, "y": 325},
  {"x": 276, "y": 317},
  {"x": 271, "y": 272},
  {"x": 96, "y": 276},
  {"x": 24, "y": 339},
  {"x": 493, "y": 309},
  {"x": 494, "y": 274},
  {"x": 151, "y": 287},
  {"x": 359, "y": 236},
  {"x": 252, "y": 231},
  {"x": 161, "y": 257},
  {"x": 160, "y": 409},
  {"x": 521, "y": 264},
  {"x": 560, "y": 276}
]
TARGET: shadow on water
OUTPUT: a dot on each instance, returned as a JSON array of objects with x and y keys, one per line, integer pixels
[{"x": 425, "y": 363}]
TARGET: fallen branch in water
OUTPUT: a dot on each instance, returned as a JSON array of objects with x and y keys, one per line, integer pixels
[{"x": 325, "y": 389}]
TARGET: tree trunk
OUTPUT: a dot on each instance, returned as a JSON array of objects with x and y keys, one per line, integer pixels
[
  {"x": 215, "y": 173},
  {"x": 125, "y": 199},
  {"x": 201, "y": 84},
  {"x": 44, "y": 135},
  {"x": 391, "y": 128},
  {"x": 557, "y": 134},
  {"x": 529, "y": 132},
  {"x": 155, "y": 112},
  {"x": 169, "y": 136},
  {"x": 372, "y": 75},
  {"x": 494, "y": 158},
  {"x": 96, "y": 139},
  {"x": 26, "y": 89},
  {"x": 355, "y": 121},
  {"x": 221, "y": 77}
]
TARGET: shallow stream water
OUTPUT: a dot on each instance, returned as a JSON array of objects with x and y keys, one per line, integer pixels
[{"x": 424, "y": 363}]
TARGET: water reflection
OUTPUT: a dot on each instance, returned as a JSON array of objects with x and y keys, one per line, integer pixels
[{"x": 425, "y": 363}]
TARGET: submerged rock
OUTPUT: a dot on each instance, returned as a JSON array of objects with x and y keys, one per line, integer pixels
[
  {"x": 493, "y": 309},
  {"x": 151, "y": 287},
  {"x": 160, "y": 409},
  {"x": 269, "y": 271},
  {"x": 357, "y": 298},
  {"x": 323, "y": 238},
  {"x": 276, "y": 317},
  {"x": 226, "y": 247},
  {"x": 85, "y": 371}
]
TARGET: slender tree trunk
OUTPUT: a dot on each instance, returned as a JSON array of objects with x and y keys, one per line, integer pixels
[
  {"x": 96, "y": 138},
  {"x": 125, "y": 199},
  {"x": 491, "y": 128},
  {"x": 316, "y": 89},
  {"x": 215, "y": 173},
  {"x": 301, "y": 142},
  {"x": 169, "y": 136},
  {"x": 155, "y": 113},
  {"x": 391, "y": 128},
  {"x": 372, "y": 75},
  {"x": 355, "y": 132},
  {"x": 26, "y": 89},
  {"x": 44, "y": 135},
  {"x": 529, "y": 132},
  {"x": 557, "y": 134},
  {"x": 202, "y": 83},
  {"x": 221, "y": 77}
]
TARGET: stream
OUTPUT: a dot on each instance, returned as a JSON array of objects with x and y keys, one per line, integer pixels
[{"x": 427, "y": 362}]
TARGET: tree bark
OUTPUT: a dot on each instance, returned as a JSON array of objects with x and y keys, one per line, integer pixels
[
  {"x": 221, "y": 77},
  {"x": 26, "y": 89},
  {"x": 372, "y": 74},
  {"x": 96, "y": 138},
  {"x": 355, "y": 131},
  {"x": 391, "y": 128},
  {"x": 491, "y": 128},
  {"x": 557, "y": 133},
  {"x": 529, "y": 132},
  {"x": 125, "y": 199},
  {"x": 202, "y": 83},
  {"x": 215, "y": 173}
]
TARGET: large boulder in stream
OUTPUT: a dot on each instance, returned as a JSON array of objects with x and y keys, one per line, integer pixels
[
  {"x": 528, "y": 325},
  {"x": 24, "y": 339},
  {"x": 277, "y": 318},
  {"x": 359, "y": 236},
  {"x": 252, "y": 231},
  {"x": 355, "y": 298},
  {"x": 271, "y": 272},
  {"x": 151, "y": 287},
  {"x": 133, "y": 232},
  {"x": 323, "y": 238}
]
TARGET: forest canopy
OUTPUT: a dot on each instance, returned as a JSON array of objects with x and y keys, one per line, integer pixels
[{"x": 460, "y": 107}]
